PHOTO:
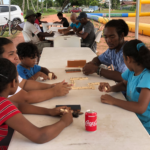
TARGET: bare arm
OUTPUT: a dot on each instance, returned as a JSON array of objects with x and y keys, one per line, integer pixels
[
  {"x": 113, "y": 75},
  {"x": 137, "y": 107},
  {"x": 105, "y": 87},
  {"x": 41, "y": 34},
  {"x": 45, "y": 70},
  {"x": 91, "y": 68},
  {"x": 83, "y": 36},
  {"x": 36, "y": 96},
  {"x": 38, "y": 135}
]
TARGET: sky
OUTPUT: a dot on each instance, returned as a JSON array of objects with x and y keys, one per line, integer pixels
[{"x": 6, "y": 1}]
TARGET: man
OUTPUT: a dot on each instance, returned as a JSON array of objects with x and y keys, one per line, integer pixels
[
  {"x": 30, "y": 91},
  {"x": 114, "y": 33},
  {"x": 21, "y": 26},
  {"x": 88, "y": 36},
  {"x": 63, "y": 21},
  {"x": 74, "y": 25},
  {"x": 34, "y": 33}
]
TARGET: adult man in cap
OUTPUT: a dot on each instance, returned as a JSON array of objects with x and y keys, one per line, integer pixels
[
  {"x": 88, "y": 36},
  {"x": 34, "y": 33},
  {"x": 74, "y": 25}
]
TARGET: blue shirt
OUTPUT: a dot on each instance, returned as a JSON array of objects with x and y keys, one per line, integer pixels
[
  {"x": 134, "y": 86},
  {"x": 75, "y": 25},
  {"x": 110, "y": 57},
  {"x": 25, "y": 73}
]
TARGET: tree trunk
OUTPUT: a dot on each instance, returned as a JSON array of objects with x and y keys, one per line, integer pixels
[
  {"x": 37, "y": 5},
  {"x": 46, "y": 6},
  {"x": 28, "y": 4},
  {"x": 23, "y": 4},
  {"x": 2, "y": 2},
  {"x": 65, "y": 3},
  {"x": 33, "y": 6},
  {"x": 42, "y": 5}
]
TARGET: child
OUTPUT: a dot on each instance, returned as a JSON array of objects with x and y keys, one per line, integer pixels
[
  {"x": 11, "y": 116},
  {"x": 28, "y": 54},
  {"x": 136, "y": 82},
  {"x": 63, "y": 21}
]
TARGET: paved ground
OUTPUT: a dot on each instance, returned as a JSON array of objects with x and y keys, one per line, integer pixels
[{"x": 102, "y": 46}]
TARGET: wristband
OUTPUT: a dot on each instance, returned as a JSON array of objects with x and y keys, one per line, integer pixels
[{"x": 98, "y": 70}]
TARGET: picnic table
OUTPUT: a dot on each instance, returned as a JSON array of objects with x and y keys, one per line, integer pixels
[{"x": 117, "y": 129}]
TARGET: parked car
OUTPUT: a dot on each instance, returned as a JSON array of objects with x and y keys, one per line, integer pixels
[
  {"x": 90, "y": 10},
  {"x": 76, "y": 10},
  {"x": 16, "y": 14}
]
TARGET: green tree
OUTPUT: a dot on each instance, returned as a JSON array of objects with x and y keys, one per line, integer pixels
[{"x": 94, "y": 3}]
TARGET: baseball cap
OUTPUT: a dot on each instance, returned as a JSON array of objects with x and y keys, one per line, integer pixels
[{"x": 82, "y": 15}]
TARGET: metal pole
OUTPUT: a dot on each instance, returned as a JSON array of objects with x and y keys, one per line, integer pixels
[
  {"x": 137, "y": 19},
  {"x": 9, "y": 17},
  {"x": 109, "y": 8}
]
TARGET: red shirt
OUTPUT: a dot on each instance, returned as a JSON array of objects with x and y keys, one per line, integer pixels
[
  {"x": 7, "y": 110},
  {"x": 37, "y": 22}
]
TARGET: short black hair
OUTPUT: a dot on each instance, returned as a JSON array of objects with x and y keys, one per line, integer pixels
[
  {"x": 27, "y": 50},
  {"x": 120, "y": 25},
  {"x": 8, "y": 73},
  {"x": 60, "y": 14},
  {"x": 38, "y": 15},
  {"x": 3, "y": 42},
  {"x": 141, "y": 56}
]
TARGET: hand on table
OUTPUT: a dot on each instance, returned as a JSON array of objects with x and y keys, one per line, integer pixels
[
  {"x": 107, "y": 99},
  {"x": 104, "y": 87},
  {"x": 43, "y": 75},
  {"x": 61, "y": 89},
  {"x": 56, "y": 111},
  {"x": 51, "y": 34},
  {"x": 53, "y": 76},
  {"x": 90, "y": 68},
  {"x": 67, "y": 118}
]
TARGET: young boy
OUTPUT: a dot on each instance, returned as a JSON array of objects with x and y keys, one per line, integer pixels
[
  {"x": 63, "y": 21},
  {"x": 27, "y": 69}
]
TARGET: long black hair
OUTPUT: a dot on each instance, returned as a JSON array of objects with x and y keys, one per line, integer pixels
[
  {"x": 8, "y": 73},
  {"x": 120, "y": 25},
  {"x": 138, "y": 51}
]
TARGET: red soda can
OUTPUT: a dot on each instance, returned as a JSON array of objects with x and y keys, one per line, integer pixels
[{"x": 90, "y": 120}]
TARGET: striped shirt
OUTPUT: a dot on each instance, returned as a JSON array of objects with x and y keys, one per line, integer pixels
[{"x": 7, "y": 110}]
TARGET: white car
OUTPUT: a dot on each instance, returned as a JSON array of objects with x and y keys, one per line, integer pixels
[
  {"x": 16, "y": 14},
  {"x": 88, "y": 10}
]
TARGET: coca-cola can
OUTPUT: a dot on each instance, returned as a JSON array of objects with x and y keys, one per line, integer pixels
[{"x": 91, "y": 120}]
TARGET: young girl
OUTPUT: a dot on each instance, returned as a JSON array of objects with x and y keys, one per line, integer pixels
[
  {"x": 136, "y": 82},
  {"x": 11, "y": 116}
]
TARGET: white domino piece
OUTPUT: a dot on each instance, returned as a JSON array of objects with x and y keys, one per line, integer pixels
[{"x": 50, "y": 76}]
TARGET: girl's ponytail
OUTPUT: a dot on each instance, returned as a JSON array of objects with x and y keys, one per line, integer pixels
[{"x": 138, "y": 51}]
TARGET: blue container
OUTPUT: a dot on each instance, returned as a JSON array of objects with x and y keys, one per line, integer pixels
[{"x": 125, "y": 15}]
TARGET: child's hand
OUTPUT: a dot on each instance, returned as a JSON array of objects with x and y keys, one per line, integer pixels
[
  {"x": 107, "y": 99},
  {"x": 53, "y": 76},
  {"x": 56, "y": 111},
  {"x": 104, "y": 87},
  {"x": 44, "y": 76},
  {"x": 67, "y": 118},
  {"x": 61, "y": 89}
]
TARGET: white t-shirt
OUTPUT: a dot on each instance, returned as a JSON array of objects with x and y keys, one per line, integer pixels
[
  {"x": 30, "y": 29},
  {"x": 35, "y": 24},
  {"x": 19, "y": 88}
]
